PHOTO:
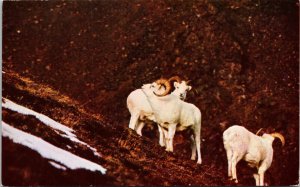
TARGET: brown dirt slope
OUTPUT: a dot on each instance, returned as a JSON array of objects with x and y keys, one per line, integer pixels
[{"x": 130, "y": 159}]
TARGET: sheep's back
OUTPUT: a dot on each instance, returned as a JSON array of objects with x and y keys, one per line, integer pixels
[
  {"x": 137, "y": 100},
  {"x": 236, "y": 138}
]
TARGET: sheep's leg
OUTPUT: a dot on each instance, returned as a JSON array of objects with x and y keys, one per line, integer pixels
[
  {"x": 229, "y": 162},
  {"x": 261, "y": 173},
  {"x": 171, "y": 133},
  {"x": 139, "y": 127},
  {"x": 133, "y": 120},
  {"x": 166, "y": 134},
  {"x": 161, "y": 136},
  {"x": 261, "y": 179},
  {"x": 234, "y": 163},
  {"x": 193, "y": 146},
  {"x": 256, "y": 177},
  {"x": 198, "y": 142}
]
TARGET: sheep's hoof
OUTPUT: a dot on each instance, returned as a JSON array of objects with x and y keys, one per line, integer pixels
[
  {"x": 193, "y": 158},
  {"x": 162, "y": 144},
  {"x": 139, "y": 133},
  {"x": 199, "y": 162},
  {"x": 232, "y": 179}
]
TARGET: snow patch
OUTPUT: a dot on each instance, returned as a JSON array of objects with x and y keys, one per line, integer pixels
[
  {"x": 49, "y": 151},
  {"x": 58, "y": 166},
  {"x": 45, "y": 119},
  {"x": 68, "y": 132}
]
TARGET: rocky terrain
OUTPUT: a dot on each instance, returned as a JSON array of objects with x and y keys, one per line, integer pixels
[{"x": 77, "y": 61}]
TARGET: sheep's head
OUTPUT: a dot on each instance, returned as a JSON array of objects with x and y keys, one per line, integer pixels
[
  {"x": 181, "y": 89},
  {"x": 279, "y": 136},
  {"x": 274, "y": 135}
]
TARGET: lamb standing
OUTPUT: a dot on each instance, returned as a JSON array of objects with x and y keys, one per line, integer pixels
[{"x": 240, "y": 144}]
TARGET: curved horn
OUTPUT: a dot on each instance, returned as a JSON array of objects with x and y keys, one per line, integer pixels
[
  {"x": 175, "y": 78},
  {"x": 278, "y": 135},
  {"x": 258, "y": 131},
  {"x": 166, "y": 83},
  {"x": 188, "y": 81}
]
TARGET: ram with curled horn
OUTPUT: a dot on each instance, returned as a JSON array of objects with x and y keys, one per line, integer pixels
[
  {"x": 140, "y": 109},
  {"x": 181, "y": 87},
  {"x": 240, "y": 143},
  {"x": 173, "y": 114},
  {"x": 275, "y": 135}
]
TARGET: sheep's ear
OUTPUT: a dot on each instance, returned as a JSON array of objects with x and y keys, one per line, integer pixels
[
  {"x": 189, "y": 88},
  {"x": 175, "y": 84}
]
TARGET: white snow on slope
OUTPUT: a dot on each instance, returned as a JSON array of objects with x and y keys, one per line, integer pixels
[
  {"x": 45, "y": 119},
  {"x": 56, "y": 165},
  {"x": 49, "y": 151},
  {"x": 68, "y": 132}
]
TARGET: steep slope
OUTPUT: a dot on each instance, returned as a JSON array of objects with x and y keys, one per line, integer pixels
[
  {"x": 128, "y": 158},
  {"x": 81, "y": 60}
]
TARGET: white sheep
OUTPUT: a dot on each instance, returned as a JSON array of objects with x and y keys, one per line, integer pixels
[
  {"x": 173, "y": 114},
  {"x": 140, "y": 109},
  {"x": 257, "y": 150}
]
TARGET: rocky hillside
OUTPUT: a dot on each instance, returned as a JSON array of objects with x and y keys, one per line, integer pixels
[{"x": 76, "y": 62}]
